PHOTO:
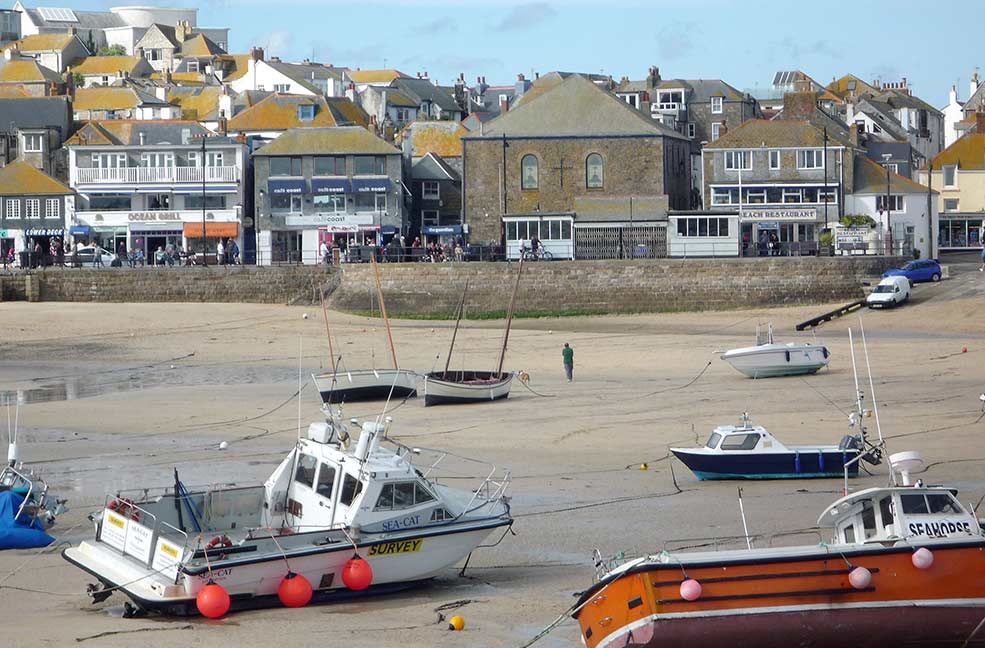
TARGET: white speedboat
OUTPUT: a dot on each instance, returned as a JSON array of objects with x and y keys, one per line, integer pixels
[
  {"x": 323, "y": 503},
  {"x": 770, "y": 359},
  {"x": 365, "y": 384}
]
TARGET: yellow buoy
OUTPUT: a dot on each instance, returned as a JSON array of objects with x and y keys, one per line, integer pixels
[
  {"x": 456, "y": 623},
  {"x": 643, "y": 466}
]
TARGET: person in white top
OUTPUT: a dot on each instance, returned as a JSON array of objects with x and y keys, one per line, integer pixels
[
  {"x": 323, "y": 252},
  {"x": 220, "y": 252}
]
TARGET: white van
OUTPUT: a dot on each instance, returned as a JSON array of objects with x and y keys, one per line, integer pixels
[{"x": 889, "y": 292}]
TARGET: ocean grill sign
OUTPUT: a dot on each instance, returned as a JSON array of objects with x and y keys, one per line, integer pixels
[{"x": 750, "y": 215}]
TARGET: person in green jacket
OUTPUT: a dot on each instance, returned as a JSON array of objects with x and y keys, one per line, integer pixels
[{"x": 568, "y": 354}]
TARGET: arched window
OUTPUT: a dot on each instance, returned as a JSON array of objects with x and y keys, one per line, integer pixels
[
  {"x": 529, "y": 175},
  {"x": 593, "y": 171}
]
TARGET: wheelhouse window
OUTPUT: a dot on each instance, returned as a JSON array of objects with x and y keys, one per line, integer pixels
[
  {"x": 593, "y": 171},
  {"x": 940, "y": 503},
  {"x": 738, "y": 160},
  {"x": 810, "y": 159},
  {"x": 351, "y": 487},
  {"x": 715, "y": 436},
  {"x": 914, "y": 504},
  {"x": 326, "y": 481},
  {"x": 305, "y": 472},
  {"x": 440, "y": 514},
  {"x": 285, "y": 166},
  {"x": 529, "y": 173},
  {"x": 402, "y": 495},
  {"x": 369, "y": 165},
  {"x": 740, "y": 442}
]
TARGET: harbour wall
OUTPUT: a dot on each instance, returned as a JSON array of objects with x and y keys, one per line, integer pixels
[{"x": 434, "y": 290}]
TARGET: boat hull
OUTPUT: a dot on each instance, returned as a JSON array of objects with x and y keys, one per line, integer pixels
[
  {"x": 365, "y": 384},
  {"x": 457, "y": 387},
  {"x": 794, "y": 597},
  {"x": 775, "y": 465},
  {"x": 397, "y": 561},
  {"x": 775, "y": 360}
]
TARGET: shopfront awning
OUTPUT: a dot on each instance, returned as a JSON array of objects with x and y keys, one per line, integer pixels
[
  {"x": 322, "y": 186},
  {"x": 278, "y": 187},
  {"x": 79, "y": 230},
  {"x": 212, "y": 230},
  {"x": 197, "y": 189},
  {"x": 371, "y": 185}
]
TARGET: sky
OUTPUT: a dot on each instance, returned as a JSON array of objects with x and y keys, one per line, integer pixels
[{"x": 743, "y": 43}]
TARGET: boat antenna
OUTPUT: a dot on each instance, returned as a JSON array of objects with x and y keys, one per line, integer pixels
[
  {"x": 386, "y": 320},
  {"x": 745, "y": 527},
  {"x": 858, "y": 392},
  {"x": 300, "y": 385},
  {"x": 509, "y": 317},
  {"x": 872, "y": 388},
  {"x": 458, "y": 320},
  {"x": 328, "y": 332}
]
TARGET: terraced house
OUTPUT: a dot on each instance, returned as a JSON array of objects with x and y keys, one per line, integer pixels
[
  {"x": 154, "y": 183},
  {"x": 33, "y": 209}
]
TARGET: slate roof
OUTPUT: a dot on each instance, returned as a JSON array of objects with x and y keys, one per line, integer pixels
[
  {"x": 541, "y": 85},
  {"x": 573, "y": 107},
  {"x": 86, "y": 19},
  {"x": 396, "y": 98},
  {"x": 627, "y": 86},
  {"x": 870, "y": 178},
  {"x": 375, "y": 76},
  {"x": 42, "y": 42},
  {"x": 882, "y": 114},
  {"x": 21, "y": 179},
  {"x": 755, "y": 133},
  {"x": 26, "y": 71},
  {"x": 848, "y": 84},
  {"x": 443, "y": 138},
  {"x": 305, "y": 73},
  {"x": 902, "y": 100},
  {"x": 328, "y": 141},
  {"x": 968, "y": 152},
  {"x": 36, "y": 112},
  {"x": 241, "y": 64},
  {"x": 423, "y": 90},
  {"x": 280, "y": 112},
  {"x": 106, "y": 65},
  {"x": 702, "y": 90},
  {"x": 434, "y": 167},
  {"x": 126, "y": 132}
]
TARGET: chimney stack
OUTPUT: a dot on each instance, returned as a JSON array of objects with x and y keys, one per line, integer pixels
[
  {"x": 799, "y": 105},
  {"x": 980, "y": 122},
  {"x": 653, "y": 79},
  {"x": 973, "y": 85},
  {"x": 504, "y": 105},
  {"x": 256, "y": 53}
]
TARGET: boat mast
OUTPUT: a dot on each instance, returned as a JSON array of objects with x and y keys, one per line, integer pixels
[
  {"x": 458, "y": 319},
  {"x": 386, "y": 320},
  {"x": 328, "y": 331},
  {"x": 509, "y": 318},
  {"x": 872, "y": 388},
  {"x": 858, "y": 392}
]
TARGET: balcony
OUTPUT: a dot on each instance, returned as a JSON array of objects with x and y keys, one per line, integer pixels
[{"x": 154, "y": 175}]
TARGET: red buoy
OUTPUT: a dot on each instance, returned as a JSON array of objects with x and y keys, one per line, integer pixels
[
  {"x": 357, "y": 574},
  {"x": 213, "y": 601},
  {"x": 294, "y": 591}
]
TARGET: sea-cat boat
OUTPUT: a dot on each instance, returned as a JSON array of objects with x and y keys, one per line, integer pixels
[
  {"x": 341, "y": 385},
  {"x": 770, "y": 359},
  {"x": 325, "y": 502},
  {"x": 900, "y": 568}
]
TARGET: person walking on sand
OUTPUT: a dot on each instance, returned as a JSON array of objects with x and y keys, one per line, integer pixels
[
  {"x": 568, "y": 355},
  {"x": 982, "y": 269}
]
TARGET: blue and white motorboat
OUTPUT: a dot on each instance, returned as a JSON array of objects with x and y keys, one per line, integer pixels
[{"x": 748, "y": 451}]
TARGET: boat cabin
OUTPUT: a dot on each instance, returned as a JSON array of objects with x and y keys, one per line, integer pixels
[
  {"x": 743, "y": 437},
  {"x": 900, "y": 513}
]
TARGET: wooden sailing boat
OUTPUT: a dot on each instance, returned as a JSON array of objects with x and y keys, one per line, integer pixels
[
  {"x": 347, "y": 385},
  {"x": 451, "y": 387}
]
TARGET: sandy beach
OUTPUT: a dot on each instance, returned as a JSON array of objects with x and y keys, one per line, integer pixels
[{"x": 117, "y": 395}]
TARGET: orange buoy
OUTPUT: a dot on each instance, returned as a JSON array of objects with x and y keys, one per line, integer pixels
[
  {"x": 357, "y": 573},
  {"x": 294, "y": 591},
  {"x": 213, "y": 601}
]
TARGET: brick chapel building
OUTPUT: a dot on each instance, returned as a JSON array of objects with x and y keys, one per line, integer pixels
[{"x": 587, "y": 174}]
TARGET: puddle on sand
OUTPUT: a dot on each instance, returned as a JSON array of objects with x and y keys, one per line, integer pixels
[{"x": 125, "y": 380}]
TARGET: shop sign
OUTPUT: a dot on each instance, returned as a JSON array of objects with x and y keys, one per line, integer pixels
[
  {"x": 851, "y": 236},
  {"x": 330, "y": 219},
  {"x": 779, "y": 214},
  {"x": 153, "y": 216},
  {"x": 3, "y": 234},
  {"x": 53, "y": 231}
]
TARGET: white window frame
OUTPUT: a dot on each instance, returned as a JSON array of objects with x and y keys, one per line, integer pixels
[
  {"x": 716, "y": 131},
  {"x": 738, "y": 160},
  {"x": 52, "y": 208},
  {"x": 775, "y": 154},
  {"x": 32, "y": 208},
  {"x": 430, "y": 190},
  {"x": 832, "y": 192},
  {"x": 893, "y": 166},
  {"x": 429, "y": 220},
  {"x": 670, "y": 99},
  {"x": 166, "y": 156},
  {"x": 109, "y": 160},
  {"x": 27, "y": 142},
  {"x": 898, "y": 202},
  {"x": 193, "y": 66},
  {"x": 814, "y": 155},
  {"x": 956, "y": 202},
  {"x": 755, "y": 197},
  {"x": 691, "y": 126},
  {"x": 954, "y": 170},
  {"x": 792, "y": 193},
  {"x": 283, "y": 88},
  {"x": 717, "y": 198},
  {"x": 717, "y": 105},
  {"x": 14, "y": 208}
]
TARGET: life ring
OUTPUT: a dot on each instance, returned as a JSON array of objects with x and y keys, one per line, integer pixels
[
  {"x": 222, "y": 540},
  {"x": 125, "y": 507}
]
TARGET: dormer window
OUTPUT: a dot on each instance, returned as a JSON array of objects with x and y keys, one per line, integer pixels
[
  {"x": 306, "y": 112},
  {"x": 33, "y": 143}
]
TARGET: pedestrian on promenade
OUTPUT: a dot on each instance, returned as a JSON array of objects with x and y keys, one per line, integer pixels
[
  {"x": 220, "y": 253},
  {"x": 568, "y": 355},
  {"x": 97, "y": 256},
  {"x": 982, "y": 269}
]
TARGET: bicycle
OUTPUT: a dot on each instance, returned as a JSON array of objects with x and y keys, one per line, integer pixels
[{"x": 540, "y": 254}]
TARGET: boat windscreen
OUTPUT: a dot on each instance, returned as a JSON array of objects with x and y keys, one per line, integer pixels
[{"x": 713, "y": 440}]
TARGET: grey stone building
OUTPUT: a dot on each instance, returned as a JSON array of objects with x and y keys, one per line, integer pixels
[
  {"x": 326, "y": 185},
  {"x": 436, "y": 200},
  {"x": 33, "y": 208},
  {"x": 33, "y": 130}
]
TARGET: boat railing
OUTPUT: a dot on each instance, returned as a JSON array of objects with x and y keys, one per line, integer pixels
[
  {"x": 12, "y": 478},
  {"x": 490, "y": 490},
  {"x": 136, "y": 532}
]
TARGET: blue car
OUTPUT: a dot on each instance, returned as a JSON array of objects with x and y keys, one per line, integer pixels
[{"x": 917, "y": 271}]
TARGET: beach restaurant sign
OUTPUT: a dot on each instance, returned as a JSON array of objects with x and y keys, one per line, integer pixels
[{"x": 752, "y": 215}]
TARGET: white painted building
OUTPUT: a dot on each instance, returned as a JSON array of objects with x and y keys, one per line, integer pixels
[
  {"x": 703, "y": 234},
  {"x": 953, "y": 113}
]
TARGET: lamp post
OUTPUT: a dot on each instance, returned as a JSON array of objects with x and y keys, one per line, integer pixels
[
  {"x": 205, "y": 261},
  {"x": 825, "y": 177},
  {"x": 889, "y": 227},
  {"x": 256, "y": 228}
]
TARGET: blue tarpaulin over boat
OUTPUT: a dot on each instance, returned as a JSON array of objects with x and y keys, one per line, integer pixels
[{"x": 19, "y": 533}]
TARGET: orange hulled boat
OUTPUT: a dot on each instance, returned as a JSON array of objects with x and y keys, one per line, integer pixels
[{"x": 905, "y": 567}]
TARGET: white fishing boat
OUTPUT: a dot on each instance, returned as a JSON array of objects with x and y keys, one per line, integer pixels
[
  {"x": 347, "y": 385},
  {"x": 770, "y": 359},
  {"x": 448, "y": 387},
  {"x": 324, "y": 502}
]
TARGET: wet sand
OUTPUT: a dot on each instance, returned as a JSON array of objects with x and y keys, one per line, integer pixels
[{"x": 117, "y": 395}]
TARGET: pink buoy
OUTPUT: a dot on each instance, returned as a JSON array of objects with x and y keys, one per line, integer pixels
[
  {"x": 922, "y": 558},
  {"x": 690, "y": 590},
  {"x": 860, "y": 578}
]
